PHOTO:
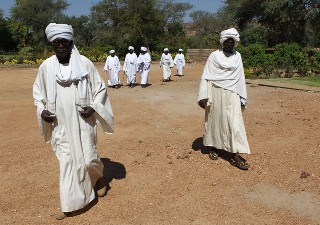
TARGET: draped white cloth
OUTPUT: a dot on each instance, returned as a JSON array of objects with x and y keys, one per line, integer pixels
[
  {"x": 225, "y": 72},
  {"x": 73, "y": 138},
  {"x": 144, "y": 61},
  {"x": 223, "y": 85},
  {"x": 130, "y": 67},
  {"x": 113, "y": 67},
  {"x": 180, "y": 63},
  {"x": 166, "y": 62}
]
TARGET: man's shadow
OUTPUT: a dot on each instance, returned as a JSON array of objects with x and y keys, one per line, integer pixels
[
  {"x": 112, "y": 170},
  {"x": 198, "y": 145}
]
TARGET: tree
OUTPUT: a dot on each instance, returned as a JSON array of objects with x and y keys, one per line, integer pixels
[
  {"x": 7, "y": 43},
  {"x": 283, "y": 20},
  {"x": 83, "y": 29},
  {"x": 38, "y": 14},
  {"x": 208, "y": 27},
  {"x": 136, "y": 22}
]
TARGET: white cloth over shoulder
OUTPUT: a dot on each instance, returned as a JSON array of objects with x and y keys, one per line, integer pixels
[
  {"x": 77, "y": 73},
  {"x": 225, "y": 72}
]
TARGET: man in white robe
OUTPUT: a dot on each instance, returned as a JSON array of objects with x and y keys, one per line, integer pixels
[
  {"x": 179, "y": 62},
  {"x": 166, "y": 62},
  {"x": 223, "y": 94},
  {"x": 71, "y": 98},
  {"x": 113, "y": 67},
  {"x": 144, "y": 61},
  {"x": 130, "y": 66}
]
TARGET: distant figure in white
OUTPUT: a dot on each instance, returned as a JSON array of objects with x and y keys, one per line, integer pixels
[
  {"x": 179, "y": 62},
  {"x": 166, "y": 62},
  {"x": 113, "y": 67},
  {"x": 144, "y": 61},
  {"x": 130, "y": 66}
]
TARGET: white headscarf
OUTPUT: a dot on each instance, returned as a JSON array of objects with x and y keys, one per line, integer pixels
[
  {"x": 54, "y": 31},
  {"x": 112, "y": 51},
  {"x": 165, "y": 49},
  {"x": 131, "y": 48},
  {"x": 230, "y": 33},
  {"x": 143, "y": 49},
  {"x": 180, "y": 50}
]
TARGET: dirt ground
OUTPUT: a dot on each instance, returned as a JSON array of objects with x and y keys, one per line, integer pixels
[{"x": 155, "y": 164}]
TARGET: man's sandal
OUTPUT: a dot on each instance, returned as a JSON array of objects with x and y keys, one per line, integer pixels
[
  {"x": 242, "y": 165},
  {"x": 213, "y": 155}
]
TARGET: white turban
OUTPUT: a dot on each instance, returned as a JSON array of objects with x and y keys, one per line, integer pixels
[
  {"x": 165, "y": 49},
  {"x": 112, "y": 51},
  {"x": 180, "y": 50},
  {"x": 131, "y": 48},
  {"x": 143, "y": 49},
  {"x": 230, "y": 33},
  {"x": 55, "y": 30}
]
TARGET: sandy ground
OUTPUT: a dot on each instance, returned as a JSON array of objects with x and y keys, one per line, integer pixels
[{"x": 155, "y": 164}]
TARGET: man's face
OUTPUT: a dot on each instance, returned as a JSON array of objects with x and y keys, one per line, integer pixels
[
  {"x": 166, "y": 52},
  {"x": 131, "y": 51},
  {"x": 228, "y": 45},
  {"x": 62, "y": 47}
]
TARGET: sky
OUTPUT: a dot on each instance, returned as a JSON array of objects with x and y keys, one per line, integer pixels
[{"x": 82, "y": 7}]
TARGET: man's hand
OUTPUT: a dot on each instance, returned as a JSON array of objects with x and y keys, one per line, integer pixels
[
  {"x": 87, "y": 111},
  {"x": 47, "y": 116},
  {"x": 202, "y": 103}
]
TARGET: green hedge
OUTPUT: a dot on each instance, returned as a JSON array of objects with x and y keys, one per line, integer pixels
[{"x": 285, "y": 60}]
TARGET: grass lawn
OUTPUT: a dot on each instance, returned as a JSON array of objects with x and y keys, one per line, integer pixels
[{"x": 309, "y": 81}]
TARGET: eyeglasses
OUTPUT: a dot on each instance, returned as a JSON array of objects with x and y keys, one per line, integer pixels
[{"x": 58, "y": 42}]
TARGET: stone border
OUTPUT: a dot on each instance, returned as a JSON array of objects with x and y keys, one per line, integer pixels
[{"x": 266, "y": 83}]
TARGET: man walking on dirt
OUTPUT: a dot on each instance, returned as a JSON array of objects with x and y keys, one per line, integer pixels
[{"x": 71, "y": 98}]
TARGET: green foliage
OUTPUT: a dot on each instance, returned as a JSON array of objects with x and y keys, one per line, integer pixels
[
  {"x": 283, "y": 21},
  {"x": 287, "y": 60},
  {"x": 95, "y": 54},
  {"x": 7, "y": 41},
  {"x": 36, "y": 15}
]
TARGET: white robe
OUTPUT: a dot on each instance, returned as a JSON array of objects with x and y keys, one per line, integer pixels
[
  {"x": 144, "y": 61},
  {"x": 166, "y": 62},
  {"x": 130, "y": 67},
  {"x": 113, "y": 67},
  {"x": 73, "y": 138},
  {"x": 180, "y": 63},
  {"x": 223, "y": 85}
]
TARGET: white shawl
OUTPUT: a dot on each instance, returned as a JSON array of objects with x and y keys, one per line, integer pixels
[{"x": 225, "y": 72}]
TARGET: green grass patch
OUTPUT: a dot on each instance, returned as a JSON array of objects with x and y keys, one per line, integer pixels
[{"x": 308, "y": 81}]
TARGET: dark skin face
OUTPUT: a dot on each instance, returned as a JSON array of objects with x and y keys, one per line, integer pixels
[
  {"x": 131, "y": 51},
  {"x": 228, "y": 45},
  {"x": 62, "y": 48}
]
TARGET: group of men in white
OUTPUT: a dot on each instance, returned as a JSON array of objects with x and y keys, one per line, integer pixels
[{"x": 134, "y": 64}]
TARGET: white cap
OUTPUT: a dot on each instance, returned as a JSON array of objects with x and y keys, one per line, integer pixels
[
  {"x": 143, "y": 49},
  {"x": 165, "y": 49},
  {"x": 131, "y": 48},
  {"x": 112, "y": 51},
  {"x": 180, "y": 50}
]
